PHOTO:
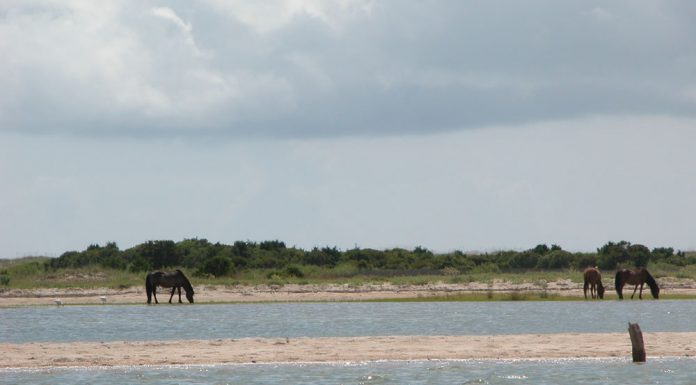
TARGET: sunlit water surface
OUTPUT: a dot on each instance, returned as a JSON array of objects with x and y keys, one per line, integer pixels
[
  {"x": 347, "y": 319},
  {"x": 568, "y": 372}
]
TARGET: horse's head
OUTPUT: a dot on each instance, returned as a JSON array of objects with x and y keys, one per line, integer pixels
[
  {"x": 655, "y": 290},
  {"x": 189, "y": 296},
  {"x": 600, "y": 291}
]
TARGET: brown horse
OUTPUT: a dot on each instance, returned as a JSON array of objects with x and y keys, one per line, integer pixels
[
  {"x": 175, "y": 280},
  {"x": 593, "y": 281},
  {"x": 638, "y": 276}
]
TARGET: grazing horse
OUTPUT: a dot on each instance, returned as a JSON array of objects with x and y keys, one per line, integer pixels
[
  {"x": 593, "y": 281},
  {"x": 175, "y": 280},
  {"x": 636, "y": 277}
]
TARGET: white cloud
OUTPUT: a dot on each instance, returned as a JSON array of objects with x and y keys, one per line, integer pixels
[
  {"x": 575, "y": 121},
  {"x": 271, "y": 15},
  {"x": 318, "y": 68},
  {"x": 168, "y": 14}
]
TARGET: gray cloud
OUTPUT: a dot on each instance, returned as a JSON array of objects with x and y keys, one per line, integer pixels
[{"x": 312, "y": 68}]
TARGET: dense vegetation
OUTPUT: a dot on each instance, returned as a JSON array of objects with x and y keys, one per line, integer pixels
[
  {"x": 274, "y": 262},
  {"x": 216, "y": 259}
]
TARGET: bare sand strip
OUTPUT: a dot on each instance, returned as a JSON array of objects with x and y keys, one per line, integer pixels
[
  {"x": 303, "y": 293},
  {"x": 342, "y": 349}
]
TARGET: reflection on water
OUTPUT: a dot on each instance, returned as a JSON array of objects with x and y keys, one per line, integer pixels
[
  {"x": 167, "y": 322},
  {"x": 571, "y": 372}
]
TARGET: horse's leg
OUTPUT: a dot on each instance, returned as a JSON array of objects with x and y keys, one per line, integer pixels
[
  {"x": 640, "y": 293},
  {"x": 154, "y": 294},
  {"x": 179, "y": 288},
  {"x": 584, "y": 289},
  {"x": 172, "y": 296},
  {"x": 634, "y": 291},
  {"x": 593, "y": 291}
]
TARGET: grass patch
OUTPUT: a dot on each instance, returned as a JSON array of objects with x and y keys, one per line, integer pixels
[
  {"x": 30, "y": 273},
  {"x": 22, "y": 278}
]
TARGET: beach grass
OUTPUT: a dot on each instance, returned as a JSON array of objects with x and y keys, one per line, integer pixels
[{"x": 31, "y": 273}]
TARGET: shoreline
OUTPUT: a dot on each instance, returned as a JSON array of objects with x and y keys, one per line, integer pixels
[
  {"x": 333, "y": 349},
  {"x": 211, "y": 294},
  {"x": 342, "y": 350}
]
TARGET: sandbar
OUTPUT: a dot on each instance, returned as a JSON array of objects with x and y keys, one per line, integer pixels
[{"x": 342, "y": 349}]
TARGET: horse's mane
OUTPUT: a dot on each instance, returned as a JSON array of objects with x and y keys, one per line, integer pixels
[
  {"x": 654, "y": 289},
  {"x": 187, "y": 283}
]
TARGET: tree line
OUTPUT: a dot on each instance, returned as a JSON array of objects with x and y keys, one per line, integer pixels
[{"x": 217, "y": 259}]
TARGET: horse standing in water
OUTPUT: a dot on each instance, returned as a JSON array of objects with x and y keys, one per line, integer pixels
[
  {"x": 593, "y": 281},
  {"x": 175, "y": 280},
  {"x": 636, "y": 277}
]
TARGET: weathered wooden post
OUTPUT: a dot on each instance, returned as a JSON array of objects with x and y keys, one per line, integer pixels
[{"x": 636, "y": 342}]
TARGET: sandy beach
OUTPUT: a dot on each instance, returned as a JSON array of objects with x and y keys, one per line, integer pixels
[
  {"x": 305, "y": 293},
  {"x": 345, "y": 349},
  {"x": 260, "y": 350}
]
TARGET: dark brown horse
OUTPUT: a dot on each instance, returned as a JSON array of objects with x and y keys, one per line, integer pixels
[
  {"x": 175, "y": 280},
  {"x": 593, "y": 281},
  {"x": 638, "y": 276}
]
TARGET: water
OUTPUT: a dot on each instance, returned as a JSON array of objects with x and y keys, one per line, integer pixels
[
  {"x": 569, "y": 372},
  {"x": 168, "y": 322},
  {"x": 163, "y": 322}
]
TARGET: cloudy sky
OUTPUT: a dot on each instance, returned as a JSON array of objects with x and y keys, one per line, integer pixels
[{"x": 447, "y": 124}]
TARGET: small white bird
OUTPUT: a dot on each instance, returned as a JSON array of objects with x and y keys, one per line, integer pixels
[
  {"x": 103, "y": 299},
  {"x": 58, "y": 302}
]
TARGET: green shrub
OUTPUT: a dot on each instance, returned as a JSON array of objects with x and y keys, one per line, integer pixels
[
  {"x": 290, "y": 271},
  {"x": 557, "y": 259},
  {"x": 217, "y": 266},
  {"x": 293, "y": 271},
  {"x": 140, "y": 264},
  {"x": 273, "y": 274},
  {"x": 486, "y": 268},
  {"x": 584, "y": 260},
  {"x": 524, "y": 260}
]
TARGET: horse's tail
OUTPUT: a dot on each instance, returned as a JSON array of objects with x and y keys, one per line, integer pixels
[
  {"x": 149, "y": 287},
  {"x": 618, "y": 283},
  {"x": 586, "y": 282},
  {"x": 654, "y": 289}
]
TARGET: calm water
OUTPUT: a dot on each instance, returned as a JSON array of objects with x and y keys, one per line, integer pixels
[
  {"x": 166, "y": 322},
  {"x": 140, "y": 322},
  {"x": 569, "y": 372}
]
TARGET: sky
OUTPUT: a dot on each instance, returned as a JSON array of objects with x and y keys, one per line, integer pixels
[{"x": 467, "y": 125}]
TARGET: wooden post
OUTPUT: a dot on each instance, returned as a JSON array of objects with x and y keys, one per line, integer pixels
[{"x": 637, "y": 342}]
